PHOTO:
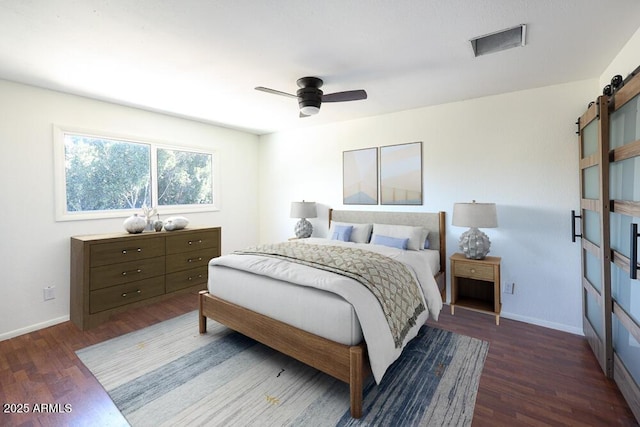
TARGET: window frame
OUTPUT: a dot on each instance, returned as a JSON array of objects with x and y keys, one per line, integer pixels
[{"x": 60, "y": 190}]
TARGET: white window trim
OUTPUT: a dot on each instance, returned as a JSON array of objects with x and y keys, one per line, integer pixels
[{"x": 60, "y": 185}]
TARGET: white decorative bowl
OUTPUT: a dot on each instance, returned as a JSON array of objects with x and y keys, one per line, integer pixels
[{"x": 175, "y": 223}]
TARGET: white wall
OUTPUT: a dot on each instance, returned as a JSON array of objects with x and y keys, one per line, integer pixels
[
  {"x": 34, "y": 249},
  {"x": 518, "y": 150},
  {"x": 627, "y": 60}
]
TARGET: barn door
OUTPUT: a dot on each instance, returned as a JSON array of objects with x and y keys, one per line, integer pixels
[
  {"x": 594, "y": 230},
  {"x": 625, "y": 217}
]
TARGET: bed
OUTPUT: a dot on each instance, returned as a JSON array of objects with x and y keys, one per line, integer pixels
[{"x": 321, "y": 329}]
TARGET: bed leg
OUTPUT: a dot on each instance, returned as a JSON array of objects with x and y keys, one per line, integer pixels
[
  {"x": 202, "y": 323},
  {"x": 356, "y": 380}
]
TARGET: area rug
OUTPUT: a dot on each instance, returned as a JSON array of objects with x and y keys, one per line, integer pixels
[{"x": 170, "y": 375}]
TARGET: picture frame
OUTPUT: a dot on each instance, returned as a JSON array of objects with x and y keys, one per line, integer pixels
[
  {"x": 360, "y": 177},
  {"x": 401, "y": 174}
]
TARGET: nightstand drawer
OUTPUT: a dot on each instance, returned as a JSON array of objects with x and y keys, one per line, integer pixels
[{"x": 473, "y": 270}]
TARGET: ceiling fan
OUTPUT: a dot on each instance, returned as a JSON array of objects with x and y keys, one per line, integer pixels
[{"x": 310, "y": 97}]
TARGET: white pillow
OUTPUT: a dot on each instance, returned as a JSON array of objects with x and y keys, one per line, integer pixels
[
  {"x": 416, "y": 235},
  {"x": 360, "y": 233}
]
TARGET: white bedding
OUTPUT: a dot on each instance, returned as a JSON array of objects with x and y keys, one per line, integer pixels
[
  {"x": 380, "y": 344},
  {"x": 313, "y": 310}
]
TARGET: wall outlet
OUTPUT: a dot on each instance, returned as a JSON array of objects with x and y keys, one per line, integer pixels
[
  {"x": 49, "y": 292},
  {"x": 508, "y": 287}
]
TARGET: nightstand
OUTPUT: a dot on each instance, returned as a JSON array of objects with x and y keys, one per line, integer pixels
[{"x": 475, "y": 284}]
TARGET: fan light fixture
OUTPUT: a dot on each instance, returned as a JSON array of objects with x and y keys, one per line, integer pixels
[
  {"x": 309, "y": 110},
  {"x": 310, "y": 96}
]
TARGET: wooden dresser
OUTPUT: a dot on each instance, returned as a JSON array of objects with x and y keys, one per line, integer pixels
[{"x": 119, "y": 271}]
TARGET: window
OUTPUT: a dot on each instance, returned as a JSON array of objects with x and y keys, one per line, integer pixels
[
  {"x": 103, "y": 176},
  {"x": 184, "y": 178}
]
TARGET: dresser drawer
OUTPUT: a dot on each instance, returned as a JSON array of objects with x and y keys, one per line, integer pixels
[
  {"x": 186, "y": 278},
  {"x": 125, "y": 250},
  {"x": 116, "y": 296},
  {"x": 189, "y": 260},
  {"x": 186, "y": 241},
  {"x": 473, "y": 271},
  {"x": 125, "y": 272}
]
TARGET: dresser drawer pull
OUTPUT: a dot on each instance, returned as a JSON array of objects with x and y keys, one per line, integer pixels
[
  {"x": 124, "y": 251},
  {"x": 191, "y": 242},
  {"x": 124, "y": 273},
  {"x": 191, "y": 278},
  {"x": 138, "y": 292},
  {"x": 473, "y": 270},
  {"x": 194, "y": 259}
]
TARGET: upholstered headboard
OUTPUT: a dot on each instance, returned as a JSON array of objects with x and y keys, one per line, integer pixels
[{"x": 432, "y": 221}]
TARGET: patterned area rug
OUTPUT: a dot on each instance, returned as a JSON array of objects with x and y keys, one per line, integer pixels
[{"x": 169, "y": 374}]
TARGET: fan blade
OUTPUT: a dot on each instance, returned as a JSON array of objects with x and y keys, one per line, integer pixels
[
  {"x": 275, "y": 92},
  {"x": 350, "y": 95}
]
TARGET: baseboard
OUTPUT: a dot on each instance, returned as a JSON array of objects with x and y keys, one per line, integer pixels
[
  {"x": 519, "y": 318},
  {"x": 32, "y": 328},
  {"x": 543, "y": 323}
]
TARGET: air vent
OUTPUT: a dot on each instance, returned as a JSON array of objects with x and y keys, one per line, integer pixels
[{"x": 500, "y": 40}]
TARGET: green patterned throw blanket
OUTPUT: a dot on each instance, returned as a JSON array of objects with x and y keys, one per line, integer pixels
[{"x": 390, "y": 281}]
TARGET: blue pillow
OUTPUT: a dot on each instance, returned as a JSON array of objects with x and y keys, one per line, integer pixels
[
  {"x": 342, "y": 232},
  {"x": 393, "y": 242},
  {"x": 426, "y": 243}
]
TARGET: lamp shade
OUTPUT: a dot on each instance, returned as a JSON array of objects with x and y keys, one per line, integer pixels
[
  {"x": 475, "y": 215},
  {"x": 303, "y": 209}
]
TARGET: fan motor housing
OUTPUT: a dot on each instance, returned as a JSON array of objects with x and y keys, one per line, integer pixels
[{"x": 309, "y": 97}]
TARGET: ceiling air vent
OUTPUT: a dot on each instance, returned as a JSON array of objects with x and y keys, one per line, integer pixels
[{"x": 500, "y": 40}]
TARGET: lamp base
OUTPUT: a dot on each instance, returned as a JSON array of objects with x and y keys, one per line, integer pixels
[
  {"x": 474, "y": 244},
  {"x": 303, "y": 229}
]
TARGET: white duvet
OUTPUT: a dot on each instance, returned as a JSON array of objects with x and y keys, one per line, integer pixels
[{"x": 380, "y": 345}]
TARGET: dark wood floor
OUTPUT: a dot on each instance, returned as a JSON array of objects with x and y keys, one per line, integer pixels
[{"x": 533, "y": 376}]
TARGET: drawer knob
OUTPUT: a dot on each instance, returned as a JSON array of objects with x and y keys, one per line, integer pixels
[
  {"x": 137, "y": 292},
  {"x": 473, "y": 270}
]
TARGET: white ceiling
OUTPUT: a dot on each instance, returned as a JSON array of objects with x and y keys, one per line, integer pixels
[{"x": 202, "y": 58}]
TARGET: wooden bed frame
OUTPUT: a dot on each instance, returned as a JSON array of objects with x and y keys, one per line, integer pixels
[{"x": 346, "y": 363}]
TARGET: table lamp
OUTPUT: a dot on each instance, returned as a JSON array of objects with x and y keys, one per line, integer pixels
[
  {"x": 303, "y": 210},
  {"x": 473, "y": 242}
]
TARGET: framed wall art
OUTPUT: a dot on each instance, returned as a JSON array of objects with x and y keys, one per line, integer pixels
[
  {"x": 401, "y": 174},
  {"x": 360, "y": 177}
]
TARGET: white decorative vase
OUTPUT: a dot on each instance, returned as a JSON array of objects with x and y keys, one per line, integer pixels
[
  {"x": 157, "y": 225},
  {"x": 135, "y": 224}
]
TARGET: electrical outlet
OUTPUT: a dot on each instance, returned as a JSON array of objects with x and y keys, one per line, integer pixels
[
  {"x": 508, "y": 287},
  {"x": 49, "y": 292}
]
